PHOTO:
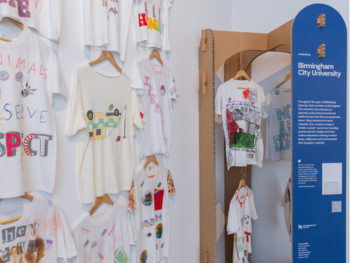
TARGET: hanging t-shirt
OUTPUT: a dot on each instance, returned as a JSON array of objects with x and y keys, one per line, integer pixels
[
  {"x": 106, "y": 24},
  {"x": 104, "y": 110},
  {"x": 287, "y": 204},
  {"x": 41, "y": 235},
  {"x": 241, "y": 105},
  {"x": 43, "y": 15},
  {"x": 240, "y": 215},
  {"x": 157, "y": 86},
  {"x": 151, "y": 19},
  {"x": 148, "y": 201},
  {"x": 278, "y": 125},
  {"x": 105, "y": 236},
  {"x": 29, "y": 77}
]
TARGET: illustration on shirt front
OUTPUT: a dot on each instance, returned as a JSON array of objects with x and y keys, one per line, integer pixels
[
  {"x": 242, "y": 118},
  {"x": 282, "y": 140}
]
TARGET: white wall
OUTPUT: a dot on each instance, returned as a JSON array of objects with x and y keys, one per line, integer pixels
[
  {"x": 270, "y": 241},
  {"x": 188, "y": 18}
]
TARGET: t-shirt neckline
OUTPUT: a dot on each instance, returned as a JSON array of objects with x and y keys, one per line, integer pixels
[
  {"x": 103, "y": 75},
  {"x": 145, "y": 178},
  {"x": 105, "y": 220},
  {"x": 17, "y": 41},
  {"x": 25, "y": 216},
  {"x": 152, "y": 66}
]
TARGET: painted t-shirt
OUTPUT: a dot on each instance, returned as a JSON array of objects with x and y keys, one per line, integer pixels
[
  {"x": 287, "y": 204},
  {"x": 240, "y": 215},
  {"x": 104, "y": 111},
  {"x": 29, "y": 77},
  {"x": 148, "y": 201},
  {"x": 43, "y": 15},
  {"x": 41, "y": 235},
  {"x": 156, "y": 85},
  {"x": 241, "y": 105},
  {"x": 151, "y": 19},
  {"x": 105, "y": 236},
  {"x": 106, "y": 24},
  {"x": 278, "y": 125}
]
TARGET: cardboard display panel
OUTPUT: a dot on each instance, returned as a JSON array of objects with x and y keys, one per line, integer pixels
[{"x": 217, "y": 48}]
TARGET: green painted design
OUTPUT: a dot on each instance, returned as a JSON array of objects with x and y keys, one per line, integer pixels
[
  {"x": 243, "y": 140},
  {"x": 120, "y": 256},
  {"x": 111, "y": 106}
]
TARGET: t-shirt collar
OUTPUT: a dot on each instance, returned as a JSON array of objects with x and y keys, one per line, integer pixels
[{"x": 17, "y": 41}]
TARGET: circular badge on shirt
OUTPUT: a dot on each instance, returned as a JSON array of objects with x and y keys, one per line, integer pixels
[
  {"x": 147, "y": 199},
  {"x": 19, "y": 77}
]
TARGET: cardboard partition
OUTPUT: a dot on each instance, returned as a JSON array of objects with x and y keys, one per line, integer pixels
[{"x": 217, "y": 48}]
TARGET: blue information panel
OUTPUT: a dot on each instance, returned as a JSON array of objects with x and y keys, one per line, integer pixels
[{"x": 319, "y": 136}]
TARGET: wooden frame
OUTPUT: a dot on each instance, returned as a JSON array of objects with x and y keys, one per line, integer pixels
[{"x": 217, "y": 48}]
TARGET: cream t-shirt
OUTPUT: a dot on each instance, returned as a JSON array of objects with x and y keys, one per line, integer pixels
[{"x": 104, "y": 111}]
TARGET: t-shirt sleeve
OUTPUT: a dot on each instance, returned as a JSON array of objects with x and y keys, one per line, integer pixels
[
  {"x": 252, "y": 209},
  {"x": 64, "y": 241},
  {"x": 132, "y": 197},
  {"x": 76, "y": 120},
  {"x": 264, "y": 109},
  {"x": 171, "y": 3},
  {"x": 56, "y": 81},
  {"x": 171, "y": 186},
  {"x": 231, "y": 221},
  {"x": 55, "y": 10},
  {"x": 136, "y": 81},
  {"x": 132, "y": 236},
  {"x": 218, "y": 101},
  {"x": 268, "y": 105},
  {"x": 137, "y": 114},
  {"x": 172, "y": 90}
]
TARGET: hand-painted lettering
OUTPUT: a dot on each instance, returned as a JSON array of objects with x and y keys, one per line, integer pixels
[
  {"x": 42, "y": 118},
  {"x": 13, "y": 141}
]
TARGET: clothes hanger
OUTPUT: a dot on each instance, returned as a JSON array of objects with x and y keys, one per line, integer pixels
[
  {"x": 99, "y": 201},
  {"x": 18, "y": 24},
  {"x": 155, "y": 54},
  {"x": 242, "y": 183},
  {"x": 288, "y": 77},
  {"x": 25, "y": 196},
  {"x": 106, "y": 55},
  {"x": 150, "y": 159},
  {"x": 241, "y": 72}
]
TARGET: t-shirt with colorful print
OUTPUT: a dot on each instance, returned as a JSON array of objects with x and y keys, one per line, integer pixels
[
  {"x": 148, "y": 202},
  {"x": 43, "y": 15},
  {"x": 29, "y": 78},
  {"x": 278, "y": 125},
  {"x": 156, "y": 85},
  {"x": 241, "y": 105},
  {"x": 41, "y": 235},
  {"x": 240, "y": 215},
  {"x": 151, "y": 19},
  {"x": 105, "y": 236},
  {"x": 104, "y": 111}
]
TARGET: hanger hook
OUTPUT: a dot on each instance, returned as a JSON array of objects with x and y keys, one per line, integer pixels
[{"x": 241, "y": 53}]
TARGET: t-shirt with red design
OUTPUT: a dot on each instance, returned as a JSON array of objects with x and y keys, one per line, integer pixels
[
  {"x": 241, "y": 103},
  {"x": 29, "y": 77},
  {"x": 148, "y": 201},
  {"x": 151, "y": 19},
  {"x": 240, "y": 215},
  {"x": 43, "y": 15}
]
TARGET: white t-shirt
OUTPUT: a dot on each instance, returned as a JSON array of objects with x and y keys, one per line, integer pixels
[
  {"x": 106, "y": 24},
  {"x": 240, "y": 215},
  {"x": 287, "y": 204},
  {"x": 278, "y": 125},
  {"x": 29, "y": 77},
  {"x": 41, "y": 235},
  {"x": 151, "y": 19},
  {"x": 157, "y": 86},
  {"x": 43, "y": 15},
  {"x": 241, "y": 111},
  {"x": 105, "y": 236},
  {"x": 148, "y": 201},
  {"x": 104, "y": 111}
]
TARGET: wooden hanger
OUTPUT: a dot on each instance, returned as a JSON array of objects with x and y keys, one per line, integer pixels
[
  {"x": 99, "y": 200},
  {"x": 18, "y": 24},
  {"x": 106, "y": 55},
  {"x": 288, "y": 77},
  {"x": 25, "y": 196},
  {"x": 155, "y": 54},
  {"x": 242, "y": 183},
  {"x": 243, "y": 74},
  {"x": 150, "y": 159}
]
